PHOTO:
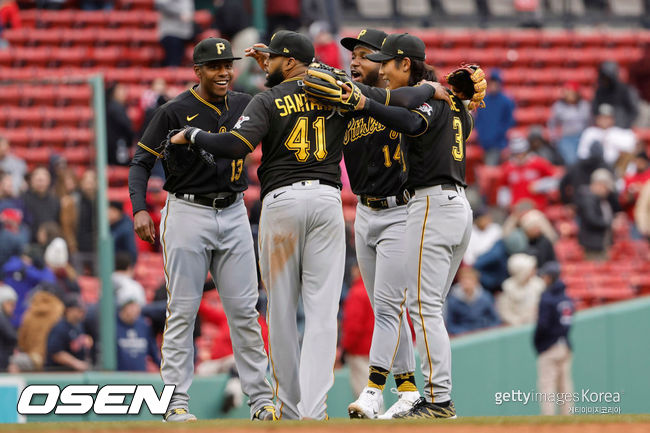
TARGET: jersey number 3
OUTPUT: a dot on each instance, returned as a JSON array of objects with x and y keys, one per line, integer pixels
[
  {"x": 457, "y": 149},
  {"x": 298, "y": 139}
]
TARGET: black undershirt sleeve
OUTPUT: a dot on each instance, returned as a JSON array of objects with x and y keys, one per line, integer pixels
[
  {"x": 411, "y": 97},
  {"x": 397, "y": 118},
  {"x": 222, "y": 145},
  {"x": 138, "y": 178}
]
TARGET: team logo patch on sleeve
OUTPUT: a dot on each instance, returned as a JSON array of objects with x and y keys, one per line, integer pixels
[
  {"x": 426, "y": 109},
  {"x": 241, "y": 120}
]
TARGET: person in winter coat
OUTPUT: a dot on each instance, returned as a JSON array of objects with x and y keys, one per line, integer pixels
[
  {"x": 552, "y": 339},
  {"x": 8, "y": 337},
  {"x": 518, "y": 303},
  {"x": 469, "y": 306},
  {"x": 611, "y": 90}
]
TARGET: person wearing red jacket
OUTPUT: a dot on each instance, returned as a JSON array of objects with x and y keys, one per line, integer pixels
[
  {"x": 528, "y": 176},
  {"x": 358, "y": 325}
]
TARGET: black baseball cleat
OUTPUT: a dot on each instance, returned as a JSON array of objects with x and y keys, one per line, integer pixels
[
  {"x": 267, "y": 413},
  {"x": 422, "y": 409}
]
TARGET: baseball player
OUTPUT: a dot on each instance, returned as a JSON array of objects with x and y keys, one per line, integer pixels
[
  {"x": 377, "y": 174},
  {"x": 204, "y": 227},
  {"x": 439, "y": 219},
  {"x": 301, "y": 233}
]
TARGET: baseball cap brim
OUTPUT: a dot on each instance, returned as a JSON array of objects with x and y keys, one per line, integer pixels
[
  {"x": 267, "y": 50},
  {"x": 218, "y": 59},
  {"x": 379, "y": 57},
  {"x": 351, "y": 43}
]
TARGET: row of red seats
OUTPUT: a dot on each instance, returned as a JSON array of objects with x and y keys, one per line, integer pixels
[
  {"x": 516, "y": 38},
  {"x": 71, "y": 18},
  {"x": 132, "y": 75},
  {"x": 47, "y": 117},
  {"x": 56, "y": 57},
  {"x": 29, "y": 140},
  {"x": 533, "y": 57},
  {"x": 80, "y": 37}
]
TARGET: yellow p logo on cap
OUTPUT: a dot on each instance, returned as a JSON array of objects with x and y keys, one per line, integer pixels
[
  {"x": 361, "y": 33},
  {"x": 220, "y": 47}
]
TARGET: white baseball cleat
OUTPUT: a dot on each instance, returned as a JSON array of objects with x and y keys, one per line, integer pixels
[
  {"x": 367, "y": 405},
  {"x": 403, "y": 404}
]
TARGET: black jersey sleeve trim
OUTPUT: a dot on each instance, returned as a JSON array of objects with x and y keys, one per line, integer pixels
[
  {"x": 242, "y": 138},
  {"x": 150, "y": 150},
  {"x": 425, "y": 121}
]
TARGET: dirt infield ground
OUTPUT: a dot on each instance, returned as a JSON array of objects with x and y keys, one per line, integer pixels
[{"x": 571, "y": 424}]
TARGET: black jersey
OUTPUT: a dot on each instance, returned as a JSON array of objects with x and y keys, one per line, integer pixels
[
  {"x": 437, "y": 155},
  {"x": 300, "y": 139},
  {"x": 189, "y": 108},
  {"x": 373, "y": 158}
]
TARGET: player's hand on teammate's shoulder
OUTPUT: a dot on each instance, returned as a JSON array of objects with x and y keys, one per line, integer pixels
[
  {"x": 259, "y": 56},
  {"x": 440, "y": 91},
  {"x": 144, "y": 227}
]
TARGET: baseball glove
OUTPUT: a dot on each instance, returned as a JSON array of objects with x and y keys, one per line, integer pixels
[
  {"x": 468, "y": 83},
  {"x": 180, "y": 157},
  {"x": 324, "y": 84}
]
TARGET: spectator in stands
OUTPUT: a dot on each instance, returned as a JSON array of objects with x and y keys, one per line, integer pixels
[
  {"x": 541, "y": 147},
  {"x": 12, "y": 243},
  {"x": 231, "y": 17},
  {"x": 570, "y": 115},
  {"x": 67, "y": 344},
  {"x": 67, "y": 189},
  {"x": 638, "y": 176},
  {"x": 518, "y": 303},
  {"x": 579, "y": 174},
  {"x": 119, "y": 130},
  {"x": 357, "y": 325},
  {"x": 85, "y": 259},
  {"x": 596, "y": 214},
  {"x": 56, "y": 258},
  {"x": 8, "y": 337},
  {"x": 23, "y": 273},
  {"x": 325, "y": 47},
  {"x": 526, "y": 175},
  {"x": 282, "y": 15},
  {"x": 612, "y": 91},
  {"x": 8, "y": 197},
  {"x": 135, "y": 341},
  {"x": 123, "y": 282},
  {"x": 96, "y": 5},
  {"x": 9, "y": 17},
  {"x": 539, "y": 246},
  {"x": 492, "y": 125},
  {"x": 485, "y": 233},
  {"x": 619, "y": 144},
  {"x": 639, "y": 77},
  {"x": 642, "y": 211},
  {"x": 122, "y": 230},
  {"x": 469, "y": 307},
  {"x": 552, "y": 340},
  {"x": 41, "y": 204},
  {"x": 175, "y": 28},
  {"x": 12, "y": 165},
  {"x": 493, "y": 265},
  {"x": 44, "y": 311}
]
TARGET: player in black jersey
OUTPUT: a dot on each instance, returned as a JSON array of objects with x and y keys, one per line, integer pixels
[
  {"x": 204, "y": 227},
  {"x": 301, "y": 235},
  {"x": 439, "y": 217},
  {"x": 377, "y": 175}
]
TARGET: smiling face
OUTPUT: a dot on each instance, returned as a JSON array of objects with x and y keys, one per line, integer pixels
[
  {"x": 396, "y": 72},
  {"x": 215, "y": 77},
  {"x": 363, "y": 70}
]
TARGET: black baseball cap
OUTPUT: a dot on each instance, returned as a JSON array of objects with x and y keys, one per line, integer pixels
[
  {"x": 399, "y": 45},
  {"x": 372, "y": 38},
  {"x": 290, "y": 44},
  {"x": 212, "y": 50}
]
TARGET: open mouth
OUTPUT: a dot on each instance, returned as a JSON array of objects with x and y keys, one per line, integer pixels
[
  {"x": 221, "y": 82},
  {"x": 356, "y": 76}
]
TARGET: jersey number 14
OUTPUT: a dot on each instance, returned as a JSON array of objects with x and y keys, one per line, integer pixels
[{"x": 298, "y": 139}]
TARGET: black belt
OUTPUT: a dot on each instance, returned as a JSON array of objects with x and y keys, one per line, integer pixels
[
  {"x": 444, "y": 186},
  {"x": 381, "y": 202},
  {"x": 214, "y": 201}
]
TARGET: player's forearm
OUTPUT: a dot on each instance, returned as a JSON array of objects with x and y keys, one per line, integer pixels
[
  {"x": 222, "y": 145},
  {"x": 396, "y": 118},
  {"x": 411, "y": 97},
  {"x": 138, "y": 179}
]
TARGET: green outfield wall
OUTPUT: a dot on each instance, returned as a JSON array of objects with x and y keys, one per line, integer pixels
[{"x": 611, "y": 355}]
